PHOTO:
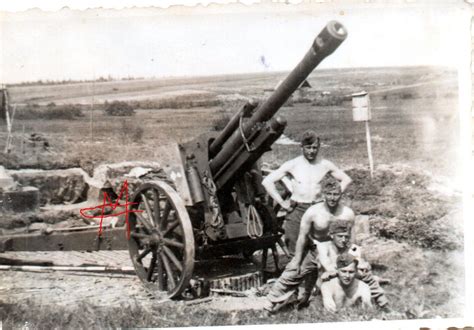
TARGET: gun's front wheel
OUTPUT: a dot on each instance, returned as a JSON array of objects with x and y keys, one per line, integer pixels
[{"x": 161, "y": 240}]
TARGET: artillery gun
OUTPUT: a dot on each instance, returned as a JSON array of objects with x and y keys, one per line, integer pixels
[{"x": 211, "y": 202}]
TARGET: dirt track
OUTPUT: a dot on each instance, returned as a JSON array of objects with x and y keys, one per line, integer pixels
[{"x": 68, "y": 288}]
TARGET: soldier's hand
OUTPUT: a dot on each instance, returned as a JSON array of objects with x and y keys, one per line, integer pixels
[
  {"x": 331, "y": 307},
  {"x": 286, "y": 205},
  {"x": 328, "y": 275}
]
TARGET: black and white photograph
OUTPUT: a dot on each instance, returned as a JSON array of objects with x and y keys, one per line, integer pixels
[{"x": 196, "y": 164}]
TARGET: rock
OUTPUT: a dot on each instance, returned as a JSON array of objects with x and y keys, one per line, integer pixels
[
  {"x": 382, "y": 252},
  {"x": 37, "y": 226},
  {"x": 361, "y": 227},
  {"x": 56, "y": 186},
  {"x": 24, "y": 199},
  {"x": 109, "y": 178},
  {"x": 6, "y": 181}
]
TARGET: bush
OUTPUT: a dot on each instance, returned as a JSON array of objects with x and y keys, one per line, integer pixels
[
  {"x": 67, "y": 111},
  {"x": 132, "y": 131},
  {"x": 221, "y": 121},
  {"x": 119, "y": 108},
  {"x": 328, "y": 100}
]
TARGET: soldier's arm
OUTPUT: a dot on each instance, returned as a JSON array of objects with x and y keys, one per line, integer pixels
[
  {"x": 339, "y": 174},
  {"x": 327, "y": 264},
  {"x": 366, "y": 297},
  {"x": 270, "y": 180},
  {"x": 328, "y": 300}
]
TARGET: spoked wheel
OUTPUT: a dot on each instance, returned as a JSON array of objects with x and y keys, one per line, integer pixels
[{"x": 161, "y": 240}]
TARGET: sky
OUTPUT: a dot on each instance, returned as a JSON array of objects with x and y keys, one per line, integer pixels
[{"x": 209, "y": 40}]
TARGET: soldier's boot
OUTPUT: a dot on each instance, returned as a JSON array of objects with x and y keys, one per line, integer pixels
[{"x": 309, "y": 284}]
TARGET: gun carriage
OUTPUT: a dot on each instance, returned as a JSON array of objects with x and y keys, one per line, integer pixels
[{"x": 211, "y": 202}]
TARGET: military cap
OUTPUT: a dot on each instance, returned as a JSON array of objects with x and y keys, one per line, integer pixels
[
  {"x": 345, "y": 260},
  {"x": 340, "y": 226}
]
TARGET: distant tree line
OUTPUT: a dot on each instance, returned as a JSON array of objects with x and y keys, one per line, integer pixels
[{"x": 46, "y": 82}]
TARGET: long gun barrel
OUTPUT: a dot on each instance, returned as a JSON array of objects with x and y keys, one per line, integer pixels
[{"x": 325, "y": 43}]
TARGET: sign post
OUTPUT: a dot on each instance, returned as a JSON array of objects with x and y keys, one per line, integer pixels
[{"x": 361, "y": 112}]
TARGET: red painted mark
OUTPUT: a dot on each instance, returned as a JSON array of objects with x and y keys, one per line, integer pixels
[{"x": 108, "y": 202}]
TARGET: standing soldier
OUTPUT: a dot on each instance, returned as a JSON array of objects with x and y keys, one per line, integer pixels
[{"x": 306, "y": 172}]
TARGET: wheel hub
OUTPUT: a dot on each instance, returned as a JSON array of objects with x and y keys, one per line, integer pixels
[{"x": 155, "y": 240}]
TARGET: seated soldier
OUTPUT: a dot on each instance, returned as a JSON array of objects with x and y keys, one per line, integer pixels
[
  {"x": 345, "y": 289},
  {"x": 304, "y": 265},
  {"x": 340, "y": 233}
]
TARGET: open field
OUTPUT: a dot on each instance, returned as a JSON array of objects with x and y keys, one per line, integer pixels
[
  {"x": 413, "y": 202},
  {"x": 415, "y": 119}
]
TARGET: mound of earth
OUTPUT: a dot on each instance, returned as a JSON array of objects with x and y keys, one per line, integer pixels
[{"x": 401, "y": 206}]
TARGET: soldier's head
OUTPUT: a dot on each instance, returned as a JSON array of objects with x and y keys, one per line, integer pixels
[
  {"x": 332, "y": 193},
  {"x": 310, "y": 144},
  {"x": 363, "y": 268},
  {"x": 340, "y": 233},
  {"x": 346, "y": 266}
]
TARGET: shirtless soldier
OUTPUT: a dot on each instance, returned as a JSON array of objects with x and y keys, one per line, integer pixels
[
  {"x": 305, "y": 173},
  {"x": 345, "y": 289},
  {"x": 340, "y": 233},
  {"x": 304, "y": 265}
]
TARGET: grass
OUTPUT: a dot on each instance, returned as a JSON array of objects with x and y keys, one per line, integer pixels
[
  {"x": 51, "y": 112},
  {"x": 426, "y": 285}
]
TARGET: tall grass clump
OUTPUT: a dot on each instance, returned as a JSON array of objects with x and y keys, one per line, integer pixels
[
  {"x": 51, "y": 112},
  {"x": 119, "y": 108}
]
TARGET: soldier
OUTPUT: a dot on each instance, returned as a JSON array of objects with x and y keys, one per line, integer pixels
[
  {"x": 304, "y": 265},
  {"x": 364, "y": 273},
  {"x": 345, "y": 289},
  {"x": 306, "y": 173},
  {"x": 340, "y": 233}
]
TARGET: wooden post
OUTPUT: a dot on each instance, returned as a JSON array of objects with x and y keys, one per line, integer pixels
[
  {"x": 92, "y": 109},
  {"x": 23, "y": 139},
  {"x": 361, "y": 112},
  {"x": 9, "y": 129},
  {"x": 369, "y": 148}
]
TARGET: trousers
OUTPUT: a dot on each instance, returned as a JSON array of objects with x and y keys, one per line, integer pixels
[
  {"x": 288, "y": 282},
  {"x": 292, "y": 226},
  {"x": 376, "y": 292}
]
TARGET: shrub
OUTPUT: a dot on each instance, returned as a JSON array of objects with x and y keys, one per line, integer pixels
[
  {"x": 221, "y": 121},
  {"x": 136, "y": 134},
  {"x": 67, "y": 111},
  {"x": 132, "y": 131},
  {"x": 328, "y": 100},
  {"x": 119, "y": 108}
]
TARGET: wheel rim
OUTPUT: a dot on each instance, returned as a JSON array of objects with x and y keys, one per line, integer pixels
[{"x": 161, "y": 240}]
